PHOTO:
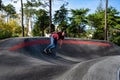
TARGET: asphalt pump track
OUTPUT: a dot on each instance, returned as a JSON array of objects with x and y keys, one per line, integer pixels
[{"x": 22, "y": 59}]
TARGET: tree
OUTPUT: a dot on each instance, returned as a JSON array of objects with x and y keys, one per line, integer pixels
[
  {"x": 78, "y": 21},
  {"x": 10, "y": 11},
  {"x": 42, "y": 22},
  {"x": 5, "y": 31},
  {"x": 15, "y": 28},
  {"x": 97, "y": 20},
  {"x": 0, "y": 4},
  {"x": 113, "y": 25},
  {"x": 106, "y": 26},
  {"x": 100, "y": 7},
  {"x": 30, "y": 12},
  {"x": 61, "y": 18}
]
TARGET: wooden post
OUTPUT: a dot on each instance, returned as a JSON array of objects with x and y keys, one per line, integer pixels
[
  {"x": 50, "y": 20},
  {"x": 106, "y": 27},
  {"x": 22, "y": 20}
]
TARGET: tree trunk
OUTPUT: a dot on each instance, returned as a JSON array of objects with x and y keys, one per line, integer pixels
[{"x": 106, "y": 27}]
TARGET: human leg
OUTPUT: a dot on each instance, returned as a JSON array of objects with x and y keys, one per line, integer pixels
[{"x": 51, "y": 45}]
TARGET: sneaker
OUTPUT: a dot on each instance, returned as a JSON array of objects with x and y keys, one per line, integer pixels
[
  {"x": 45, "y": 51},
  {"x": 50, "y": 51}
]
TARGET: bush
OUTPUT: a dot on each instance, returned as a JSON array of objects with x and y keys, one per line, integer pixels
[{"x": 5, "y": 34}]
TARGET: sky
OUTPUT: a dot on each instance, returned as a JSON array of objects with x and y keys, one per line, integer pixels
[
  {"x": 73, "y": 4},
  {"x": 91, "y": 4}
]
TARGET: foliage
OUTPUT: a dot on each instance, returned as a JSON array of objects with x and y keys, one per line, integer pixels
[
  {"x": 5, "y": 30},
  {"x": 61, "y": 17},
  {"x": 115, "y": 34},
  {"x": 10, "y": 10},
  {"x": 0, "y": 4},
  {"x": 42, "y": 22},
  {"x": 36, "y": 31},
  {"x": 16, "y": 28},
  {"x": 9, "y": 29},
  {"x": 97, "y": 21},
  {"x": 78, "y": 22},
  {"x": 37, "y": 3},
  {"x": 75, "y": 24},
  {"x": 30, "y": 12},
  {"x": 116, "y": 38}
]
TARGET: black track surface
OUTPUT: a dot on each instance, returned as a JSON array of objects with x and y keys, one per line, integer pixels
[{"x": 71, "y": 62}]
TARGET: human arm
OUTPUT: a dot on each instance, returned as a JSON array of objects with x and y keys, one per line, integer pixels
[
  {"x": 61, "y": 41},
  {"x": 61, "y": 38},
  {"x": 60, "y": 44}
]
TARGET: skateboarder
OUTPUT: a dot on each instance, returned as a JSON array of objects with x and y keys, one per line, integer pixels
[{"x": 54, "y": 37}]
